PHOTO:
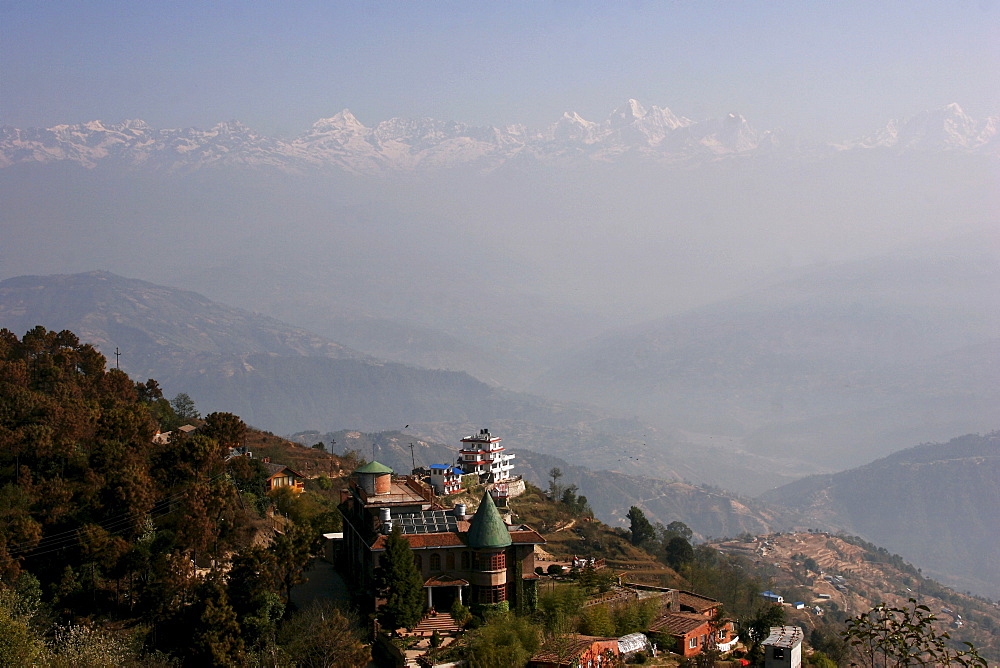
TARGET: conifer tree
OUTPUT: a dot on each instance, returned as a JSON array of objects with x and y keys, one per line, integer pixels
[
  {"x": 399, "y": 582},
  {"x": 639, "y": 526}
]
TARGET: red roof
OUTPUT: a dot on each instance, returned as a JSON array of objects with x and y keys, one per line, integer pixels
[
  {"x": 678, "y": 623},
  {"x": 567, "y": 649},
  {"x": 423, "y": 540},
  {"x": 697, "y": 602},
  {"x": 445, "y": 580}
]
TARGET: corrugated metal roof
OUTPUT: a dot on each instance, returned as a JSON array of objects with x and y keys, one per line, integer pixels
[
  {"x": 633, "y": 642},
  {"x": 784, "y": 636}
]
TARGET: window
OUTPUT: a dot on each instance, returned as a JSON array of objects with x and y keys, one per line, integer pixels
[
  {"x": 435, "y": 562},
  {"x": 491, "y": 561},
  {"x": 450, "y": 560},
  {"x": 722, "y": 634},
  {"x": 419, "y": 562},
  {"x": 779, "y": 653},
  {"x": 692, "y": 642},
  {"x": 495, "y": 594},
  {"x": 466, "y": 560}
]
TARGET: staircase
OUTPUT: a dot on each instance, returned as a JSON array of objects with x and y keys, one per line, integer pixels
[{"x": 443, "y": 623}]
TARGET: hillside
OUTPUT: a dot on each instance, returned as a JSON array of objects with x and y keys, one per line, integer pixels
[
  {"x": 803, "y": 567},
  {"x": 278, "y": 377},
  {"x": 285, "y": 379},
  {"x": 708, "y": 511},
  {"x": 937, "y": 504},
  {"x": 830, "y": 369}
]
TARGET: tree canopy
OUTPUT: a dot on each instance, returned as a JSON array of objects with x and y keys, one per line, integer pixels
[{"x": 398, "y": 581}]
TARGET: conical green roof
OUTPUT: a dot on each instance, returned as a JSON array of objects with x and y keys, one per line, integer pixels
[
  {"x": 373, "y": 467},
  {"x": 487, "y": 528}
]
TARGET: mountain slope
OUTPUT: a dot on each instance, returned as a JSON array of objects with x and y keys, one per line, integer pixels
[
  {"x": 709, "y": 512},
  {"x": 938, "y": 505},
  {"x": 287, "y": 380},
  {"x": 836, "y": 366},
  {"x": 150, "y": 322},
  {"x": 277, "y": 377}
]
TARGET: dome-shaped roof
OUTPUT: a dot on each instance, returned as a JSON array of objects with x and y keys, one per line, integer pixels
[
  {"x": 487, "y": 528},
  {"x": 373, "y": 467}
]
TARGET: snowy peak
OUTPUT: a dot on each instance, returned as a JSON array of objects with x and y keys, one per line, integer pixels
[
  {"x": 947, "y": 128},
  {"x": 627, "y": 115},
  {"x": 342, "y": 143}
]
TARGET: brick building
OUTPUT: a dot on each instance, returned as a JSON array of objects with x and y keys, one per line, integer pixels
[{"x": 477, "y": 559}]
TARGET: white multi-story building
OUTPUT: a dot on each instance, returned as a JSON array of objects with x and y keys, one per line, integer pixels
[{"x": 484, "y": 455}]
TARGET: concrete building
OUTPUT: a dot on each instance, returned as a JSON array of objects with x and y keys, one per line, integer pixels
[
  {"x": 483, "y": 454},
  {"x": 446, "y": 479},
  {"x": 783, "y": 648}
]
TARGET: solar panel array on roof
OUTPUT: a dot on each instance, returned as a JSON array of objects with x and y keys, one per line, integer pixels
[{"x": 427, "y": 521}]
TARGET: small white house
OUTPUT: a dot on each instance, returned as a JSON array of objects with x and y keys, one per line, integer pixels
[
  {"x": 771, "y": 597},
  {"x": 783, "y": 648},
  {"x": 446, "y": 479}
]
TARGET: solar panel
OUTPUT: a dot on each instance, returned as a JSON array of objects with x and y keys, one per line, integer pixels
[{"x": 427, "y": 521}]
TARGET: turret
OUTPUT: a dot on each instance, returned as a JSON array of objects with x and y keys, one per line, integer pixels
[{"x": 374, "y": 478}]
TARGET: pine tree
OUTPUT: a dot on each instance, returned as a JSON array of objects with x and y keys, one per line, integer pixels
[
  {"x": 400, "y": 583},
  {"x": 217, "y": 640},
  {"x": 639, "y": 527}
]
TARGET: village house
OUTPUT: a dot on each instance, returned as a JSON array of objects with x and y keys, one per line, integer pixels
[
  {"x": 783, "y": 647},
  {"x": 279, "y": 476},
  {"x": 771, "y": 597},
  {"x": 570, "y": 651},
  {"x": 692, "y": 621},
  {"x": 475, "y": 559},
  {"x": 446, "y": 479}
]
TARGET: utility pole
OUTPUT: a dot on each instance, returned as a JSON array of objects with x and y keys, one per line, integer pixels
[
  {"x": 117, "y": 355},
  {"x": 413, "y": 457}
]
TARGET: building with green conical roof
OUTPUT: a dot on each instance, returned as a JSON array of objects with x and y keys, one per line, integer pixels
[
  {"x": 478, "y": 560},
  {"x": 487, "y": 529}
]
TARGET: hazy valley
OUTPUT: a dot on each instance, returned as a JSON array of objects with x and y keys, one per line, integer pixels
[{"x": 733, "y": 309}]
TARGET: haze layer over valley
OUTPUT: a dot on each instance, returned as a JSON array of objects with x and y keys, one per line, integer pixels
[{"x": 817, "y": 306}]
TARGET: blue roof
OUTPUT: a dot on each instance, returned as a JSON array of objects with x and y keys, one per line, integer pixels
[{"x": 449, "y": 469}]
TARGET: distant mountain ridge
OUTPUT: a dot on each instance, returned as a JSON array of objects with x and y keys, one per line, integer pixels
[
  {"x": 342, "y": 143},
  {"x": 834, "y": 367},
  {"x": 285, "y": 380},
  {"x": 160, "y": 322},
  {"x": 610, "y": 493},
  {"x": 278, "y": 377},
  {"x": 938, "y": 504}
]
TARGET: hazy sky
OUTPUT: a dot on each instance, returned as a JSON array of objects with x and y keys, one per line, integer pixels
[{"x": 821, "y": 70}]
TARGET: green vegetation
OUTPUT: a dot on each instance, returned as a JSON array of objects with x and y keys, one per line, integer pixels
[
  {"x": 398, "y": 581},
  {"x": 112, "y": 545},
  {"x": 903, "y": 636}
]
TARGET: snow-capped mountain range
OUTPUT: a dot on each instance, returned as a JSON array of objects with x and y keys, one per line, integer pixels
[{"x": 341, "y": 142}]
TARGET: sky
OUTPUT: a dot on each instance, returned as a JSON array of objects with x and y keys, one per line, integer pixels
[{"x": 820, "y": 71}]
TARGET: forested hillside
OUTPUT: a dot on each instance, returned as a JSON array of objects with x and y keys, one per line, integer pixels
[{"x": 113, "y": 543}]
